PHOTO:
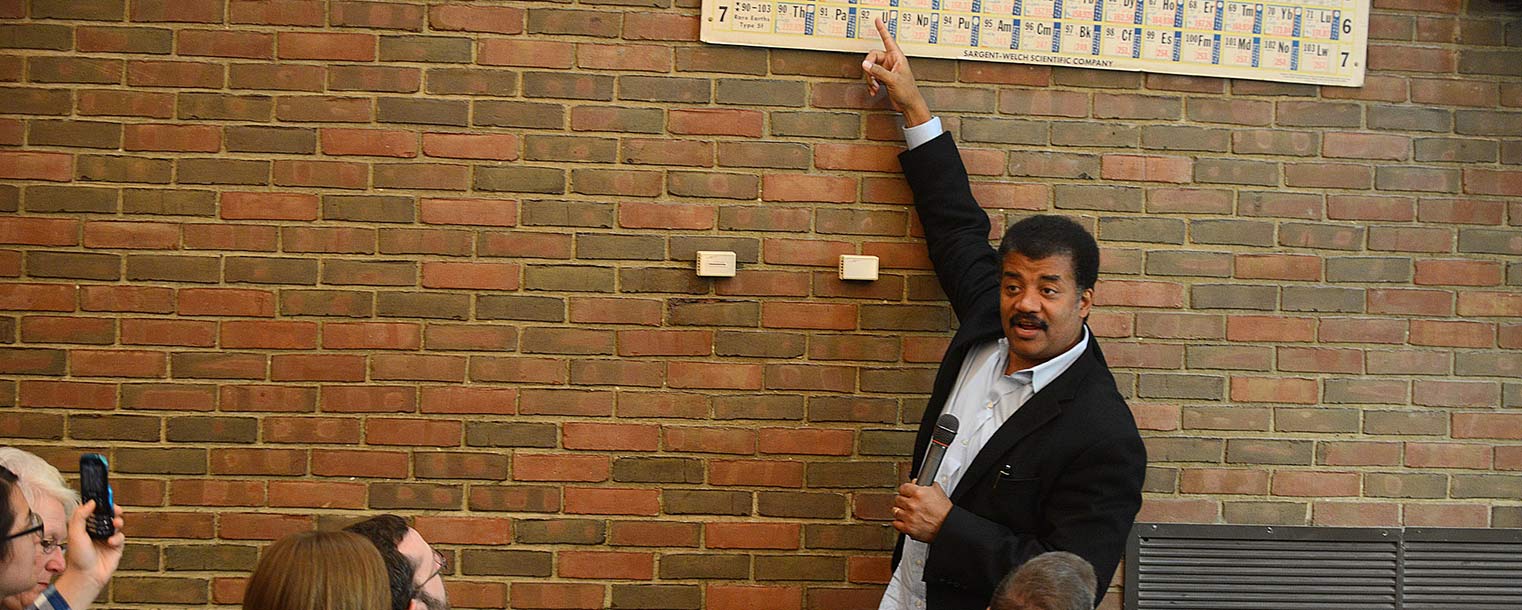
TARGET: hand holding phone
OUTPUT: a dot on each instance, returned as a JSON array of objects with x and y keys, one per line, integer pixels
[{"x": 95, "y": 485}]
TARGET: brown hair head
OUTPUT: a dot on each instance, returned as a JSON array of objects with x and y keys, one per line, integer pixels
[{"x": 319, "y": 571}]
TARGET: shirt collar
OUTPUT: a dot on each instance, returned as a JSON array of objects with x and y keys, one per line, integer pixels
[{"x": 1042, "y": 374}]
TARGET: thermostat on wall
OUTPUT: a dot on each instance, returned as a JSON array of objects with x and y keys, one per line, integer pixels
[
  {"x": 716, "y": 263},
  {"x": 854, "y": 267}
]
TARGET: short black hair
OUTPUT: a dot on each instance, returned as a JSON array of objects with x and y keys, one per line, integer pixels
[
  {"x": 385, "y": 532},
  {"x": 1042, "y": 236},
  {"x": 7, "y": 518}
]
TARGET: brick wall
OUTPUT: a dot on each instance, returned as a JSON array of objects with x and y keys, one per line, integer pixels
[{"x": 291, "y": 262}]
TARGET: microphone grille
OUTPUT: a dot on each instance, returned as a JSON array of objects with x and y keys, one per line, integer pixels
[{"x": 945, "y": 429}]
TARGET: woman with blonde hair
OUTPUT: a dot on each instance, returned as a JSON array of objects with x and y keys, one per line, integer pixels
[{"x": 319, "y": 571}]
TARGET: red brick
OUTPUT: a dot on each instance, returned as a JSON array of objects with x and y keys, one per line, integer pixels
[
  {"x": 1410, "y": 301},
  {"x": 149, "y": 235},
  {"x": 526, "y": 53},
  {"x": 413, "y": 432},
  {"x": 39, "y": 231},
  {"x": 1131, "y": 293},
  {"x": 1274, "y": 389},
  {"x": 57, "y": 167},
  {"x": 860, "y": 157},
  {"x": 803, "y": 188},
  {"x": 1278, "y": 267},
  {"x": 471, "y": 276},
  {"x": 272, "y": 398},
  {"x": 246, "y": 526},
  {"x": 757, "y": 282},
  {"x": 269, "y": 334},
  {"x": 316, "y": 367},
  {"x": 653, "y": 533},
  {"x": 379, "y": 464},
  {"x": 757, "y": 473},
  {"x": 611, "y": 501},
  {"x": 1223, "y": 481},
  {"x": 1440, "y": 272},
  {"x": 68, "y": 394},
  {"x": 68, "y": 329},
  {"x": 371, "y": 335},
  {"x": 464, "y": 530},
  {"x": 1501, "y": 426},
  {"x": 1315, "y": 484},
  {"x": 753, "y": 597},
  {"x": 1453, "y": 333},
  {"x": 230, "y": 237},
  {"x": 710, "y": 440},
  {"x": 1147, "y": 168},
  {"x": 369, "y": 142},
  {"x": 117, "y": 363},
  {"x": 485, "y": 212},
  {"x": 631, "y": 57},
  {"x": 226, "y": 302},
  {"x": 751, "y": 535},
  {"x": 807, "y": 441},
  {"x": 1507, "y": 304},
  {"x": 821, "y": 316},
  {"x": 556, "y": 596},
  {"x": 1493, "y": 182},
  {"x": 175, "y": 74},
  {"x": 316, "y": 494},
  {"x": 715, "y": 121},
  {"x": 1360, "y": 453},
  {"x": 610, "y": 437},
  {"x": 674, "y": 216},
  {"x": 327, "y": 46},
  {"x": 542, "y": 467},
  {"x": 1366, "y": 146},
  {"x": 713, "y": 375},
  {"x": 454, "y": 17},
  {"x": 1448, "y": 455},
  {"x": 268, "y": 206},
  {"x": 606, "y": 565},
  {"x": 498, "y": 147},
  {"x": 380, "y": 15},
  {"x": 175, "y": 138},
  {"x": 185, "y": 333},
  {"x": 223, "y": 43},
  {"x": 1446, "y": 515}
]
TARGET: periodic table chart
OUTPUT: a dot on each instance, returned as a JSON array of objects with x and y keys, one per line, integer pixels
[{"x": 1302, "y": 41}]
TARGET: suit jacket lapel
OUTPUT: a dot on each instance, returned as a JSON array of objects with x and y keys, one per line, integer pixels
[{"x": 1035, "y": 413}]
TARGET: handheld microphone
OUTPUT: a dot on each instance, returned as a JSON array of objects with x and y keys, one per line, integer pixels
[{"x": 945, "y": 432}]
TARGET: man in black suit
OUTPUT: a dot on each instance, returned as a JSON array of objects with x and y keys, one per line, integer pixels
[{"x": 1048, "y": 456}]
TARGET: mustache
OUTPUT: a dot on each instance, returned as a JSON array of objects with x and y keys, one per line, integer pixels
[{"x": 1026, "y": 318}]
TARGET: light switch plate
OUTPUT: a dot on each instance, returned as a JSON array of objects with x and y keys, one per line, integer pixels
[
  {"x": 854, "y": 267},
  {"x": 716, "y": 263}
]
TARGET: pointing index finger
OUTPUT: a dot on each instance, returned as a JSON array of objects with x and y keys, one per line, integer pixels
[{"x": 888, "y": 43}]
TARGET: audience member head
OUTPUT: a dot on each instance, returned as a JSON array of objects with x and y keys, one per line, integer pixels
[
  {"x": 50, "y": 497},
  {"x": 318, "y": 571},
  {"x": 414, "y": 568},
  {"x": 21, "y": 528},
  {"x": 1050, "y": 581}
]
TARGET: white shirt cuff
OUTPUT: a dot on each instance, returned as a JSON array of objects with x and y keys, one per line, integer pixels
[{"x": 922, "y": 133}]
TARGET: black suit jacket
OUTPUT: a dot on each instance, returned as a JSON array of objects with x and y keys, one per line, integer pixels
[{"x": 1065, "y": 472}]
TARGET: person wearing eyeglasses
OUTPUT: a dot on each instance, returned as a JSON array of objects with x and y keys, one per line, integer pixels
[
  {"x": 89, "y": 566},
  {"x": 51, "y": 498},
  {"x": 415, "y": 569}
]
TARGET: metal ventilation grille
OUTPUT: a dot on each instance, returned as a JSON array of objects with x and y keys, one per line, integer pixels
[
  {"x": 1251, "y": 567},
  {"x": 1463, "y": 569},
  {"x": 1209, "y": 567}
]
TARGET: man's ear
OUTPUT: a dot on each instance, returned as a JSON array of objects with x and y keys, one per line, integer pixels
[{"x": 414, "y": 604}]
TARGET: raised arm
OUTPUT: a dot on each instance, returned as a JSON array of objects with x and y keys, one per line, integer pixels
[{"x": 956, "y": 229}]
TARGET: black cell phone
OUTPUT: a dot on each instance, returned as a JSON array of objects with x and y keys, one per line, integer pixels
[{"x": 94, "y": 485}]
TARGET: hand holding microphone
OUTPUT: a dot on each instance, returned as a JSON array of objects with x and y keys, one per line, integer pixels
[{"x": 921, "y": 507}]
